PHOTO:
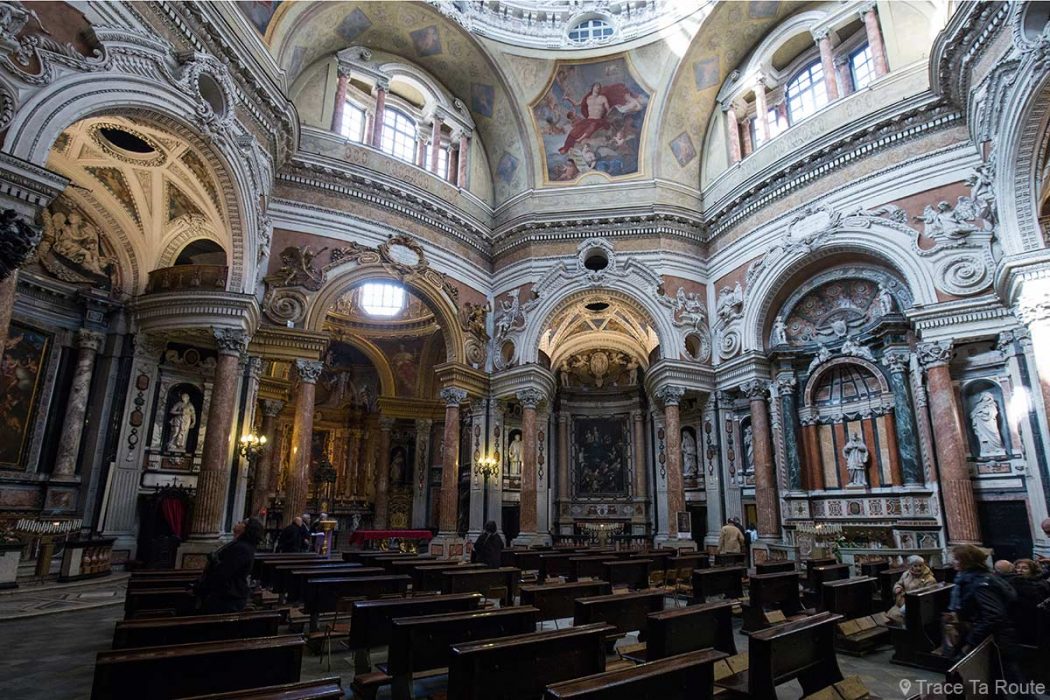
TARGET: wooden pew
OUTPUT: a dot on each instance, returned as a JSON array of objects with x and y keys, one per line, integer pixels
[
  {"x": 660, "y": 558},
  {"x": 194, "y": 628},
  {"x": 321, "y": 595},
  {"x": 803, "y": 649},
  {"x": 181, "y": 670},
  {"x": 526, "y": 559},
  {"x": 944, "y": 573},
  {"x": 388, "y": 562},
  {"x": 593, "y": 567},
  {"x": 263, "y": 560},
  {"x": 181, "y": 601},
  {"x": 428, "y": 577},
  {"x": 888, "y": 578},
  {"x": 154, "y": 582},
  {"x": 632, "y": 573},
  {"x": 320, "y": 689},
  {"x": 819, "y": 575},
  {"x": 731, "y": 559},
  {"x": 686, "y": 676},
  {"x": 918, "y": 642},
  {"x": 771, "y": 592},
  {"x": 482, "y": 581},
  {"x": 681, "y": 630},
  {"x": 364, "y": 556},
  {"x": 726, "y": 581},
  {"x": 295, "y": 579},
  {"x": 555, "y": 565},
  {"x": 423, "y": 643},
  {"x": 626, "y": 612},
  {"x": 809, "y": 564},
  {"x": 522, "y": 666},
  {"x": 860, "y": 633},
  {"x": 280, "y": 574},
  {"x": 774, "y": 567},
  {"x": 372, "y": 620},
  {"x": 872, "y": 568},
  {"x": 979, "y": 670},
  {"x": 556, "y": 600}
]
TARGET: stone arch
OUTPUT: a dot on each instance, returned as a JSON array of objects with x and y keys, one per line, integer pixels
[
  {"x": 884, "y": 243},
  {"x": 75, "y": 97},
  {"x": 387, "y": 385},
  {"x": 183, "y": 236},
  {"x": 350, "y": 274}
]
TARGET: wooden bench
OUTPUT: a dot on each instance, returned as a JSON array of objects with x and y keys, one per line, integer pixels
[
  {"x": 555, "y": 565},
  {"x": 526, "y": 559},
  {"x": 872, "y": 568},
  {"x": 588, "y": 567},
  {"x": 180, "y": 601},
  {"x": 482, "y": 581},
  {"x": 980, "y": 669},
  {"x": 522, "y": 666},
  {"x": 295, "y": 579},
  {"x": 154, "y": 582},
  {"x": 181, "y": 670},
  {"x": 819, "y": 575},
  {"x": 557, "y": 600},
  {"x": 423, "y": 644},
  {"x": 372, "y": 620},
  {"x": 772, "y": 598},
  {"x": 888, "y": 578},
  {"x": 320, "y": 689},
  {"x": 322, "y": 595},
  {"x": 803, "y": 649},
  {"x": 390, "y": 562},
  {"x": 686, "y": 676},
  {"x": 918, "y": 642},
  {"x": 264, "y": 563},
  {"x": 726, "y": 581},
  {"x": 774, "y": 567},
  {"x": 626, "y": 612},
  {"x": 862, "y": 630},
  {"x": 427, "y": 577},
  {"x": 194, "y": 628},
  {"x": 680, "y": 630},
  {"x": 632, "y": 573},
  {"x": 659, "y": 557},
  {"x": 944, "y": 573},
  {"x": 731, "y": 559}
]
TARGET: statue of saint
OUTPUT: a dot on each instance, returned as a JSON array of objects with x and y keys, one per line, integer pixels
[
  {"x": 887, "y": 304},
  {"x": 514, "y": 455},
  {"x": 182, "y": 419},
  {"x": 856, "y": 454},
  {"x": 984, "y": 417},
  {"x": 749, "y": 450},
  {"x": 778, "y": 336},
  {"x": 688, "y": 454}
]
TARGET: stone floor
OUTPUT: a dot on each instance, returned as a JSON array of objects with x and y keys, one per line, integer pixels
[
  {"x": 52, "y": 658},
  {"x": 32, "y": 599}
]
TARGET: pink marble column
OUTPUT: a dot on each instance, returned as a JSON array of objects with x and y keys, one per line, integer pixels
[
  {"x": 89, "y": 343},
  {"x": 353, "y": 455},
  {"x": 529, "y": 399},
  {"x": 746, "y": 146},
  {"x": 453, "y": 164},
  {"x": 422, "y": 141},
  {"x": 732, "y": 135},
  {"x": 950, "y": 445},
  {"x": 827, "y": 62},
  {"x": 464, "y": 161},
  {"x": 448, "y": 507},
  {"x": 765, "y": 474},
  {"x": 302, "y": 438},
  {"x": 382, "y": 519},
  {"x": 264, "y": 476},
  {"x": 670, "y": 397},
  {"x": 845, "y": 77},
  {"x": 878, "y": 49},
  {"x": 219, "y": 432},
  {"x": 435, "y": 144},
  {"x": 761, "y": 111},
  {"x": 340, "y": 100},
  {"x": 377, "y": 121}
]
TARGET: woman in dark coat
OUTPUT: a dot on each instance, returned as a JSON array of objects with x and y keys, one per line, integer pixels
[
  {"x": 488, "y": 546},
  {"x": 224, "y": 586},
  {"x": 1032, "y": 589}
]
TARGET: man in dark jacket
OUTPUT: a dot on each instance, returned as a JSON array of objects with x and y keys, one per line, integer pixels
[
  {"x": 224, "y": 586},
  {"x": 291, "y": 537},
  {"x": 488, "y": 547}
]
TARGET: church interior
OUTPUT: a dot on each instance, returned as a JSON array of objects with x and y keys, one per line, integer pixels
[{"x": 525, "y": 349}]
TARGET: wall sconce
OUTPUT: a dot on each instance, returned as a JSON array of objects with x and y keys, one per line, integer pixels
[{"x": 252, "y": 446}]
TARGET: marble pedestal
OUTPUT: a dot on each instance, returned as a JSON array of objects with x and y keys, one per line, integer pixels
[
  {"x": 448, "y": 546},
  {"x": 193, "y": 553},
  {"x": 682, "y": 544}
]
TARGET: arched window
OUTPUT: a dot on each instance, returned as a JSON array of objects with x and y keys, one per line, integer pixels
[
  {"x": 805, "y": 92},
  {"x": 382, "y": 298},
  {"x": 353, "y": 122},
  {"x": 399, "y": 135},
  {"x": 594, "y": 29},
  {"x": 862, "y": 67}
]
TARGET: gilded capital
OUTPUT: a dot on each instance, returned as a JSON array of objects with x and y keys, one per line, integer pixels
[{"x": 272, "y": 407}]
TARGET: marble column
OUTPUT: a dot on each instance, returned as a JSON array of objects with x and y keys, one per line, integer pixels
[
  {"x": 670, "y": 397},
  {"x": 845, "y": 76},
  {"x": 367, "y": 459},
  {"x": 263, "y": 486},
  {"x": 88, "y": 343},
  {"x": 383, "y": 474},
  {"x": 340, "y": 100},
  {"x": 746, "y": 146},
  {"x": 786, "y": 385},
  {"x": 453, "y": 163},
  {"x": 422, "y": 141},
  {"x": 353, "y": 458},
  {"x": 827, "y": 62},
  {"x": 711, "y": 463},
  {"x": 435, "y": 144},
  {"x": 529, "y": 399},
  {"x": 215, "y": 468},
  {"x": 638, "y": 451},
  {"x": 302, "y": 440},
  {"x": 761, "y": 111},
  {"x": 765, "y": 476},
  {"x": 419, "y": 473},
  {"x": 448, "y": 507},
  {"x": 377, "y": 121},
  {"x": 950, "y": 445},
  {"x": 903, "y": 417},
  {"x": 814, "y": 474},
  {"x": 464, "y": 161},
  {"x": 878, "y": 51},
  {"x": 564, "y": 496},
  {"x": 732, "y": 134}
]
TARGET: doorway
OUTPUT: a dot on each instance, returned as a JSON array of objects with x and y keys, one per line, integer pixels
[
  {"x": 698, "y": 520},
  {"x": 1005, "y": 527},
  {"x": 511, "y": 523}
]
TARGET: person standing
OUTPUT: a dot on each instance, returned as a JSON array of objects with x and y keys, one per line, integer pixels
[
  {"x": 291, "y": 537},
  {"x": 730, "y": 539},
  {"x": 488, "y": 547},
  {"x": 223, "y": 588},
  {"x": 1032, "y": 590}
]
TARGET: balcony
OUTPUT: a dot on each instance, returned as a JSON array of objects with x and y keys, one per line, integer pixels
[{"x": 187, "y": 277}]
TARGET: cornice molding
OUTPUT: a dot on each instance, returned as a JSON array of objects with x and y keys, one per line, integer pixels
[
  {"x": 508, "y": 383},
  {"x": 959, "y": 320},
  {"x": 679, "y": 373},
  {"x": 459, "y": 376},
  {"x": 276, "y": 343}
]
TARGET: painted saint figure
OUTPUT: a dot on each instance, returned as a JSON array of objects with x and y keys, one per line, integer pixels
[
  {"x": 856, "y": 454},
  {"x": 183, "y": 419},
  {"x": 514, "y": 455},
  {"x": 984, "y": 417}
]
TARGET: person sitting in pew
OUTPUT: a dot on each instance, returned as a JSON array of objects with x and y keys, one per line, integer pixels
[
  {"x": 223, "y": 588},
  {"x": 291, "y": 538},
  {"x": 488, "y": 548},
  {"x": 917, "y": 576},
  {"x": 1032, "y": 589}
]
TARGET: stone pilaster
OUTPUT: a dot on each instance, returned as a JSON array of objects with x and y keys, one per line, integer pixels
[
  {"x": 420, "y": 473},
  {"x": 307, "y": 372},
  {"x": 765, "y": 477},
  {"x": 638, "y": 451},
  {"x": 264, "y": 477},
  {"x": 786, "y": 385},
  {"x": 711, "y": 463},
  {"x": 88, "y": 343},
  {"x": 382, "y": 519},
  {"x": 564, "y": 495}
]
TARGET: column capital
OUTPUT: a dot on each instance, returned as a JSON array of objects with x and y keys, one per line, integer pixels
[
  {"x": 935, "y": 354},
  {"x": 308, "y": 370},
  {"x": 865, "y": 8},
  {"x": 453, "y": 396},
  {"x": 820, "y": 33},
  {"x": 529, "y": 398},
  {"x": 785, "y": 384},
  {"x": 90, "y": 340},
  {"x": 230, "y": 341},
  {"x": 382, "y": 83},
  {"x": 254, "y": 365},
  {"x": 897, "y": 361},
  {"x": 272, "y": 407},
  {"x": 755, "y": 390},
  {"x": 670, "y": 395}
]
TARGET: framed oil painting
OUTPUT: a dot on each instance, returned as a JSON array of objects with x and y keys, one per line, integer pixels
[
  {"x": 600, "y": 454},
  {"x": 21, "y": 374}
]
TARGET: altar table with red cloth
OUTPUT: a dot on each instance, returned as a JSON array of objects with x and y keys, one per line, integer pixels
[{"x": 360, "y": 537}]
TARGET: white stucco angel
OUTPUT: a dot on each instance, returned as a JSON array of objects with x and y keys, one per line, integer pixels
[{"x": 946, "y": 223}]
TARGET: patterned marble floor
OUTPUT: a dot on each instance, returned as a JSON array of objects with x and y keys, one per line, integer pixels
[{"x": 31, "y": 600}]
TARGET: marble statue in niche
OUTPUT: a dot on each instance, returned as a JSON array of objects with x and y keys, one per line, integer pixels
[
  {"x": 984, "y": 418},
  {"x": 688, "y": 454},
  {"x": 749, "y": 450},
  {"x": 515, "y": 454},
  {"x": 856, "y": 454},
  {"x": 778, "y": 336},
  {"x": 182, "y": 418}
]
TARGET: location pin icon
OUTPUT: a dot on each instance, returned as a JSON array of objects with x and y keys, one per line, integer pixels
[{"x": 905, "y": 686}]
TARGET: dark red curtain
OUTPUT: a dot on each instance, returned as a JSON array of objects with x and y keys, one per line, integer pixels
[{"x": 174, "y": 512}]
